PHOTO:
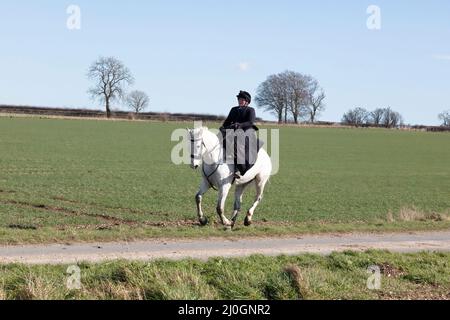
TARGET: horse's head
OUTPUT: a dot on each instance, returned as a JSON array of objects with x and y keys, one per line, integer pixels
[{"x": 197, "y": 146}]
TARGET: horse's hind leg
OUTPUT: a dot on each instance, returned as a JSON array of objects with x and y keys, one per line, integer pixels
[
  {"x": 238, "y": 202},
  {"x": 198, "y": 199},
  {"x": 260, "y": 185}
]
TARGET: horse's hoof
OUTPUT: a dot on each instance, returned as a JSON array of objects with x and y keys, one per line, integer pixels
[
  {"x": 228, "y": 228},
  {"x": 203, "y": 222},
  {"x": 247, "y": 222}
]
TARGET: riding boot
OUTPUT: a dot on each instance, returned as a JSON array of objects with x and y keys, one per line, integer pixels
[
  {"x": 237, "y": 173},
  {"x": 241, "y": 168}
]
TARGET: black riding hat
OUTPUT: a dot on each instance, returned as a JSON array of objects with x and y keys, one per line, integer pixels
[{"x": 245, "y": 95}]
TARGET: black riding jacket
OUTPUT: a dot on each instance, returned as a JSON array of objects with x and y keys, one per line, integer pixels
[{"x": 244, "y": 116}]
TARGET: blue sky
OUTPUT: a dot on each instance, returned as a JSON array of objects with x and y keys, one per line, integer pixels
[{"x": 194, "y": 56}]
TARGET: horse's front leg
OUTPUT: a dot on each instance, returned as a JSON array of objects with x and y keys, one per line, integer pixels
[
  {"x": 198, "y": 199},
  {"x": 223, "y": 194}
]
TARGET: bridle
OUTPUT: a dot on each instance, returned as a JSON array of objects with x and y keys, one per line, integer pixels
[{"x": 193, "y": 157}]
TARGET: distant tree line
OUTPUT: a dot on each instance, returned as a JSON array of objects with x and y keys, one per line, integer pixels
[
  {"x": 380, "y": 117},
  {"x": 291, "y": 96}
]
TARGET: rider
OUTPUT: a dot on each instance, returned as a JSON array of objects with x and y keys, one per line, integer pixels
[{"x": 241, "y": 117}]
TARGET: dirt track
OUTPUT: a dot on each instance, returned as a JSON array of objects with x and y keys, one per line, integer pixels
[{"x": 204, "y": 249}]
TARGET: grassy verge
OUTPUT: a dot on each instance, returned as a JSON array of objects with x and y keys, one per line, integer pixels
[{"x": 338, "y": 276}]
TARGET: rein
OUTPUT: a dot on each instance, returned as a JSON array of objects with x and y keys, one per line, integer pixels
[
  {"x": 203, "y": 164},
  {"x": 208, "y": 177}
]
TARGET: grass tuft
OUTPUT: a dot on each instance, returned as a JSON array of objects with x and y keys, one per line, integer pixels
[
  {"x": 298, "y": 281},
  {"x": 412, "y": 214}
]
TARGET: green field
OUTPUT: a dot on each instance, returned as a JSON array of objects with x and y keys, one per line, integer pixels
[
  {"x": 338, "y": 276},
  {"x": 81, "y": 180}
]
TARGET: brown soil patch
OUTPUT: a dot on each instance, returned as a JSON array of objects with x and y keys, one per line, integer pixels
[
  {"x": 419, "y": 293},
  {"x": 391, "y": 271}
]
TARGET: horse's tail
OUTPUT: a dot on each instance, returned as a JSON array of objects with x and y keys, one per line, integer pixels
[
  {"x": 247, "y": 178},
  {"x": 263, "y": 167}
]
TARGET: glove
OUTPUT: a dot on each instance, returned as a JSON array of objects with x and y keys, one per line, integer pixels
[{"x": 237, "y": 126}]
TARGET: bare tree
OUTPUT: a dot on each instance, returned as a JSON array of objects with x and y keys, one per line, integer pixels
[
  {"x": 391, "y": 119},
  {"x": 376, "y": 116},
  {"x": 316, "y": 97},
  {"x": 137, "y": 101},
  {"x": 356, "y": 117},
  {"x": 291, "y": 93},
  {"x": 297, "y": 86},
  {"x": 445, "y": 118},
  {"x": 110, "y": 76},
  {"x": 270, "y": 95}
]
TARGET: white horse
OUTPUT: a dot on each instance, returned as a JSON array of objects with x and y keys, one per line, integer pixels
[{"x": 207, "y": 153}]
